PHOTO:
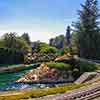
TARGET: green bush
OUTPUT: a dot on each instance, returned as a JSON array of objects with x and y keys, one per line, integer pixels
[
  {"x": 59, "y": 65},
  {"x": 63, "y": 51},
  {"x": 44, "y": 48},
  {"x": 86, "y": 66},
  {"x": 98, "y": 67}
]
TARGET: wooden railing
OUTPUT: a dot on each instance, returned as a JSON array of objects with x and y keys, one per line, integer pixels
[{"x": 93, "y": 91}]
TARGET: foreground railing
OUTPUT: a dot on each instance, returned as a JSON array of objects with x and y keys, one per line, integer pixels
[{"x": 93, "y": 91}]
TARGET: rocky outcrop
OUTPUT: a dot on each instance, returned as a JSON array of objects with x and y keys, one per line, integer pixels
[{"x": 46, "y": 74}]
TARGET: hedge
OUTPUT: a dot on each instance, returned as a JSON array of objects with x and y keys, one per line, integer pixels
[
  {"x": 10, "y": 56},
  {"x": 59, "y": 65}
]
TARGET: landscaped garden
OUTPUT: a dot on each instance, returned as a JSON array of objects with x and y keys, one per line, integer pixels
[{"x": 33, "y": 69}]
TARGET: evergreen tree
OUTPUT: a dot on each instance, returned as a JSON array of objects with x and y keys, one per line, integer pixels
[
  {"x": 88, "y": 42},
  {"x": 26, "y": 37},
  {"x": 68, "y": 37}
]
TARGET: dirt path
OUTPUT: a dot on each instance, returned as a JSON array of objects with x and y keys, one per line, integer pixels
[{"x": 10, "y": 94}]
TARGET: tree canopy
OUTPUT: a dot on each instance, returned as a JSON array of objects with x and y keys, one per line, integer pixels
[
  {"x": 87, "y": 27},
  {"x": 13, "y": 41},
  {"x": 58, "y": 42},
  {"x": 13, "y": 48},
  {"x": 26, "y": 37}
]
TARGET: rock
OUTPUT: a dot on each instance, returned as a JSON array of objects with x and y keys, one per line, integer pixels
[
  {"x": 23, "y": 79},
  {"x": 34, "y": 77},
  {"x": 44, "y": 74}
]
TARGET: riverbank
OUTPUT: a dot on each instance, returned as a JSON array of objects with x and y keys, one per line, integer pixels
[
  {"x": 35, "y": 93},
  {"x": 15, "y": 68},
  {"x": 47, "y": 93}
]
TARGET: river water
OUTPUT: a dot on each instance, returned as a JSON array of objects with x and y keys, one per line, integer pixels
[{"x": 7, "y": 82}]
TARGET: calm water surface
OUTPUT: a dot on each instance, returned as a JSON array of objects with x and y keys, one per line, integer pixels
[{"x": 7, "y": 82}]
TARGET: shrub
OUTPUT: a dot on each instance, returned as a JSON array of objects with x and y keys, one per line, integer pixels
[
  {"x": 10, "y": 56},
  {"x": 86, "y": 66},
  {"x": 59, "y": 65},
  {"x": 98, "y": 67}
]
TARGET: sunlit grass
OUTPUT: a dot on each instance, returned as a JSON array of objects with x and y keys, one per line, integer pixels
[{"x": 35, "y": 93}]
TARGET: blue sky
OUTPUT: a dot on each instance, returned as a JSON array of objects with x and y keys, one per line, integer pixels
[{"x": 42, "y": 19}]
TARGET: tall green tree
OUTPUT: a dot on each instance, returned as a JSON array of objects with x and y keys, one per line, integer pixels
[
  {"x": 88, "y": 40},
  {"x": 26, "y": 37},
  {"x": 9, "y": 40},
  {"x": 13, "y": 49},
  {"x": 68, "y": 38},
  {"x": 13, "y": 41},
  {"x": 58, "y": 42},
  {"x": 74, "y": 42}
]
